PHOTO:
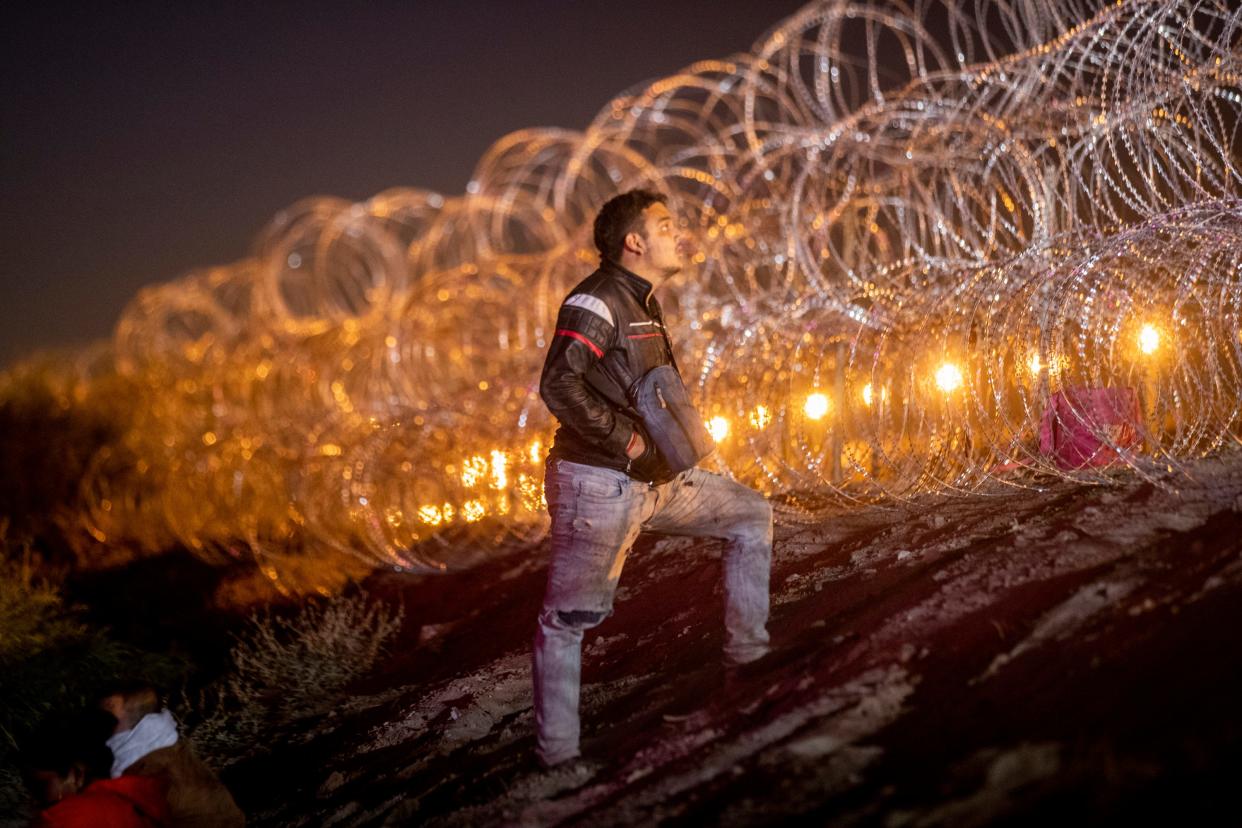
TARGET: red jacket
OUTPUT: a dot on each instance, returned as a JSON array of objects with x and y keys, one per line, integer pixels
[{"x": 125, "y": 802}]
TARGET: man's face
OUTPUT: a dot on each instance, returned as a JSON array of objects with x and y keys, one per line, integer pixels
[
  {"x": 115, "y": 704},
  {"x": 49, "y": 787},
  {"x": 665, "y": 251}
]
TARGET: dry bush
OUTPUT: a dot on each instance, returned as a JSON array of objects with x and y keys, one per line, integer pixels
[
  {"x": 15, "y": 809},
  {"x": 286, "y": 670},
  {"x": 47, "y": 440},
  {"x": 51, "y": 662}
]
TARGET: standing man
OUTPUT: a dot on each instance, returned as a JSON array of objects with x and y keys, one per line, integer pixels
[{"x": 606, "y": 481}]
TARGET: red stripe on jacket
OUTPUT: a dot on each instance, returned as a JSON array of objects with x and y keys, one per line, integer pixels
[{"x": 595, "y": 349}]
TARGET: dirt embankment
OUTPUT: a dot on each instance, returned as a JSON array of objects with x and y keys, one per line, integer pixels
[{"x": 1066, "y": 653}]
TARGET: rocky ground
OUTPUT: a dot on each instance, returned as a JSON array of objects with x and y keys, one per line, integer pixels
[{"x": 1065, "y": 653}]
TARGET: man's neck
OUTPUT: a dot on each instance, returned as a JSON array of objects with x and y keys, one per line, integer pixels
[{"x": 638, "y": 268}]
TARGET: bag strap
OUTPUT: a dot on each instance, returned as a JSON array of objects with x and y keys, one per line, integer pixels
[
  {"x": 668, "y": 343},
  {"x": 625, "y": 384}
]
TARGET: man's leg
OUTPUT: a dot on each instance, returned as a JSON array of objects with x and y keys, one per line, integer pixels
[
  {"x": 595, "y": 519},
  {"x": 701, "y": 504},
  {"x": 558, "y": 679}
]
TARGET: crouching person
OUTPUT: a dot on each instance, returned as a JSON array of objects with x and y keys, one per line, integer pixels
[
  {"x": 623, "y": 461},
  {"x": 145, "y": 743},
  {"x": 68, "y": 770}
]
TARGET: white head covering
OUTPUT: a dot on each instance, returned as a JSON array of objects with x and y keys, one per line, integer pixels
[{"x": 153, "y": 731}]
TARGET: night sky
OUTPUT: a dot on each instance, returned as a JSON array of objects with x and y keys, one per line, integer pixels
[{"x": 143, "y": 140}]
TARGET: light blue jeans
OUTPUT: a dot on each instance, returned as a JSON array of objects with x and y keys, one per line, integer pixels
[{"x": 597, "y": 514}]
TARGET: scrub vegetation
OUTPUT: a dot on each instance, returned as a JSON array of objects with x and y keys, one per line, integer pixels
[
  {"x": 286, "y": 669},
  {"x": 52, "y": 661}
]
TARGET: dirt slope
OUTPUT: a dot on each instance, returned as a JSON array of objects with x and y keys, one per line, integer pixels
[{"x": 1071, "y": 653}]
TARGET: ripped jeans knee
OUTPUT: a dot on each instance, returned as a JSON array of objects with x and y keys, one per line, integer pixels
[{"x": 572, "y": 620}]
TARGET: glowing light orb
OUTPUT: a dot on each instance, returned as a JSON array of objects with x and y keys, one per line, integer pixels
[
  {"x": 473, "y": 510},
  {"x": 816, "y": 406},
  {"x": 473, "y": 470},
  {"x": 430, "y": 515},
  {"x": 718, "y": 427},
  {"x": 1148, "y": 339},
  {"x": 500, "y": 464},
  {"x": 948, "y": 377},
  {"x": 760, "y": 417},
  {"x": 866, "y": 395}
]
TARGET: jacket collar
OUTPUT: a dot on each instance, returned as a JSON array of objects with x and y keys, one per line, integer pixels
[{"x": 636, "y": 284}]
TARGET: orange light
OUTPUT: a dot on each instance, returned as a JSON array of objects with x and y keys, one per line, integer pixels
[
  {"x": 816, "y": 406},
  {"x": 473, "y": 470},
  {"x": 500, "y": 463},
  {"x": 948, "y": 377},
  {"x": 1148, "y": 339}
]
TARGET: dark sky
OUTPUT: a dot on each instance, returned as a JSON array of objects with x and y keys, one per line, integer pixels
[{"x": 141, "y": 140}]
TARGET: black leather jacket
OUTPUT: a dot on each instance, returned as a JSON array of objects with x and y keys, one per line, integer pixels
[{"x": 609, "y": 332}]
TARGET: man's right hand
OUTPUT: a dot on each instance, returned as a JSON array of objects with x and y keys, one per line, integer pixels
[{"x": 636, "y": 446}]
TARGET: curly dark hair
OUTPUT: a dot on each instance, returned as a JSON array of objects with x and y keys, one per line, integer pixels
[
  {"x": 59, "y": 746},
  {"x": 617, "y": 218}
]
